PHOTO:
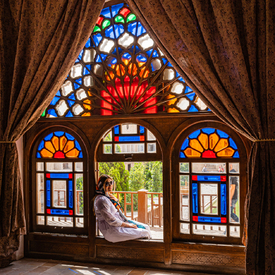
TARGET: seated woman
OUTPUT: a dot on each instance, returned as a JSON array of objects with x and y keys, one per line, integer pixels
[{"x": 112, "y": 223}]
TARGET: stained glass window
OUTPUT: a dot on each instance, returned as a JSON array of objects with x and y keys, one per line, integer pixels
[
  {"x": 122, "y": 71},
  {"x": 209, "y": 184},
  {"x": 59, "y": 182}
]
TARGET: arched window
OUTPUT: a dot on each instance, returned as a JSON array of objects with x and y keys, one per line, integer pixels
[
  {"x": 209, "y": 187},
  {"x": 122, "y": 71},
  {"x": 59, "y": 196}
]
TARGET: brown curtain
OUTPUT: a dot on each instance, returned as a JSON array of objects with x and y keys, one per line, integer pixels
[
  {"x": 225, "y": 50},
  {"x": 39, "y": 42}
]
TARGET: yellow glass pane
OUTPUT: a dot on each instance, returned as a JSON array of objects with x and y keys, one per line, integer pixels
[
  {"x": 228, "y": 152},
  {"x": 49, "y": 146},
  {"x": 72, "y": 154},
  {"x": 196, "y": 145},
  {"x": 203, "y": 138},
  {"x": 62, "y": 142},
  {"x": 190, "y": 153},
  {"x": 213, "y": 139},
  {"x": 86, "y": 114},
  {"x": 69, "y": 146},
  {"x": 125, "y": 61},
  {"x": 223, "y": 143},
  {"x": 55, "y": 141},
  {"x": 132, "y": 70},
  {"x": 172, "y": 110},
  {"x": 46, "y": 154},
  {"x": 89, "y": 93},
  {"x": 140, "y": 64},
  {"x": 87, "y": 107},
  {"x": 172, "y": 101}
]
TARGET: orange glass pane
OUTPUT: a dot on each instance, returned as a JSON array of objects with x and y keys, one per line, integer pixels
[
  {"x": 228, "y": 152},
  {"x": 172, "y": 101},
  {"x": 213, "y": 139},
  {"x": 190, "y": 153},
  {"x": 89, "y": 93},
  {"x": 62, "y": 142},
  {"x": 49, "y": 146},
  {"x": 196, "y": 145},
  {"x": 46, "y": 154},
  {"x": 120, "y": 70},
  {"x": 125, "y": 61},
  {"x": 173, "y": 110},
  {"x": 86, "y": 114},
  {"x": 223, "y": 143},
  {"x": 55, "y": 141},
  {"x": 69, "y": 146},
  {"x": 72, "y": 154},
  {"x": 132, "y": 70},
  {"x": 203, "y": 138},
  {"x": 145, "y": 75},
  {"x": 87, "y": 107}
]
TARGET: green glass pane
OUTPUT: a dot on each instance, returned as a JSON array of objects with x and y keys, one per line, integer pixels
[
  {"x": 131, "y": 17},
  {"x": 106, "y": 23},
  {"x": 44, "y": 113},
  {"x": 97, "y": 29},
  {"x": 119, "y": 19}
]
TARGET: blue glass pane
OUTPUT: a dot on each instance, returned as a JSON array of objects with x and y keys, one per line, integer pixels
[
  {"x": 106, "y": 13},
  {"x": 52, "y": 112},
  {"x": 195, "y": 198},
  {"x": 195, "y": 134},
  {"x": 103, "y": 56},
  {"x": 59, "y": 212},
  {"x": 98, "y": 59},
  {"x": 209, "y": 219},
  {"x": 41, "y": 145},
  {"x": 232, "y": 143},
  {"x": 69, "y": 137},
  {"x": 116, "y": 8},
  {"x": 80, "y": 155},
  {"x": 85, "y": 71},
  {"x": 58, "y": 93},
  {"x": 193, "y": 109},
  {"x": 169, "y": 64},
  {"x": 72, "y": 97},
  {"x": 185, "y": 144},
  {"x": 71, "y": 194},
  {"x": 223, "y": 199},
  {"x": 109, "y": 32},
  {"x": 69, "y": 114},
  {"x": 141, "y": 129},
  {"x": 77, "y": 145},
  {"x": 208, "y": 130},
  {"x": 55, "y": 99},
  {"x": 127, "y": 56},
  {"x": 48, "y": 197},
  {"x": 149, "y": 52},
  {"x": 209, "y": 178},
  {"x": 59, "y": 133},
  {"x": 88, "y": 67},
  {"x": 140, "y": 29},
  {"x": 97, "y": 38},
  {"x": 141, "y": 58},
  {"x": 59, "y": 175},
  {"x": 129, "y": 138},
  {"x": 71, "y": 103},
  {"x": 38, "y": 155},
  {"x": 79, "y": 80},
  {"x": 48, "y": 137},
  {"x": 119, "y": 29},
  {"x": 191, "y": 96},
  {"x": 76, "y": 86},
  {"x": 222, "y": 134},
  {"x": 236, "y": 155},
  {"x": 116, "y": 130},
  {"x": 155, "y": 54},
  {"x": 88, "y": 43},
  {"x": 132, "y": 28},
  {"x": 80, "y": 55},
  {"x": 182, "y": 156},
  {"x": 182, "y": 80},
  {"x": 188, "y": 90}
]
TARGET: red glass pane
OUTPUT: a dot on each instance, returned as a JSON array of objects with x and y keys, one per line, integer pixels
[
  {"x": 99, "y": 21},
  {"x": 48, "y": 175},
  {"x": 70, "y": 212},
  {"x": 124, "y": 12},
  {"x": 195, "y": 178},
  {"x": 195, "y": 218},
  {"x": 48, "y": 211},
  {"x": 116, "y": 138},
  {"x": 223, "y": 220},
  {"x": 59, "y": 155},
  {"x": 141, "y": 138},
  {"x": 70, "y": 176},
  {"x": 208, "y": 154},
  {"x": 223, "y": 178}
]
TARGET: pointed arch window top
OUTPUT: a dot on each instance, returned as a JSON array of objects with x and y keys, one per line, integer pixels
[{"x": 122, "y": 71}]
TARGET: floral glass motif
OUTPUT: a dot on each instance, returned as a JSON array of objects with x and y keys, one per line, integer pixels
[
  {"x": 122, "y": 71},
  {"x": 209, "y": 143},
  {"x": 59, "y": 145}
]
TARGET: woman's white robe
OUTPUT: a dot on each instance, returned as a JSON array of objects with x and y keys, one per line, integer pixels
[{"x": 109, "y": 223}]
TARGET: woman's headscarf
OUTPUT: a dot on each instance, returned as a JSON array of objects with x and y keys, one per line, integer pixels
[{"x": 100, "y": 184}]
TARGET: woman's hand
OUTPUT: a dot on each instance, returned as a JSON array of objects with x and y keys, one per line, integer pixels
[{"x": 129, "y": 225}]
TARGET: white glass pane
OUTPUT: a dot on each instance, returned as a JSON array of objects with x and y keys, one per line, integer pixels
[
  {"x": 177, "y": 88},
  {"x": 212, "y": 230},
  {"x": 151, "y": 147},
  {"x": 126, "y": 40},
  {"x": 40, "y": 220},
  {"x": 156, "y": 64},
  {"x": 168, "y": 74},
  {"x": 78, "y": 166},
  {"x": 107, "y": 148},
  {"x": 60, "y": 221},
  {"x": 212, "y": 168},
  {"x": 59, "y": 166},
  {"x": 108, "y": 137},
  {"x": 183, "y": 104},
  {"x": 234, "y": 204},
  {"x": 77, "y": 109},
  {"x": 184, "y": 228},
  {"x": 40, "y": 193},
  {"x": 98, "y": 70},
  {"x": 184, "y": 198},
  {"x": 146, "y": 42},
  {"x": 184, "y": 167},
  {"x": 79, "y": 222},
  {"x": 234, "y": 231},
  {"x": 81, "y": 94},
  {"x": 89, "y": 55},
  {"x": 106, "y": 45},
  {"x": 150, "y": 135},
  {"x": 88, "y": 81},
  {"x": 209, "y": 198},
  {"x": 79, "y": 199},
  {"x": 67, "y": 88},
  {"x": 200, "y": 104},
  {"x": 234, "y": 168},
  {"x": 129, "y": 129},
  {"x": 59, "y": 193},
  {"x": 129, "y": 148},
  {"x": 61, "y": 107},
  {"x": 76, "y": 71},
  {"x": 40, "y": 166}
]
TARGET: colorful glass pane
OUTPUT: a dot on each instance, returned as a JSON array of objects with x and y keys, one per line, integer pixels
[
  {"x": 122, "y": 71},
  {"x": 209, "y": 143},
  {"x": 59, "y": 145}
]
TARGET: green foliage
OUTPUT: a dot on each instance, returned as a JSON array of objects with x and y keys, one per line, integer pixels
[{"x": 79, "y": 186}]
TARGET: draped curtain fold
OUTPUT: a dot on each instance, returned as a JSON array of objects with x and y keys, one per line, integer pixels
[
  {"x": 225, "y": 50},
  {"x": 39, "y": 42}
]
